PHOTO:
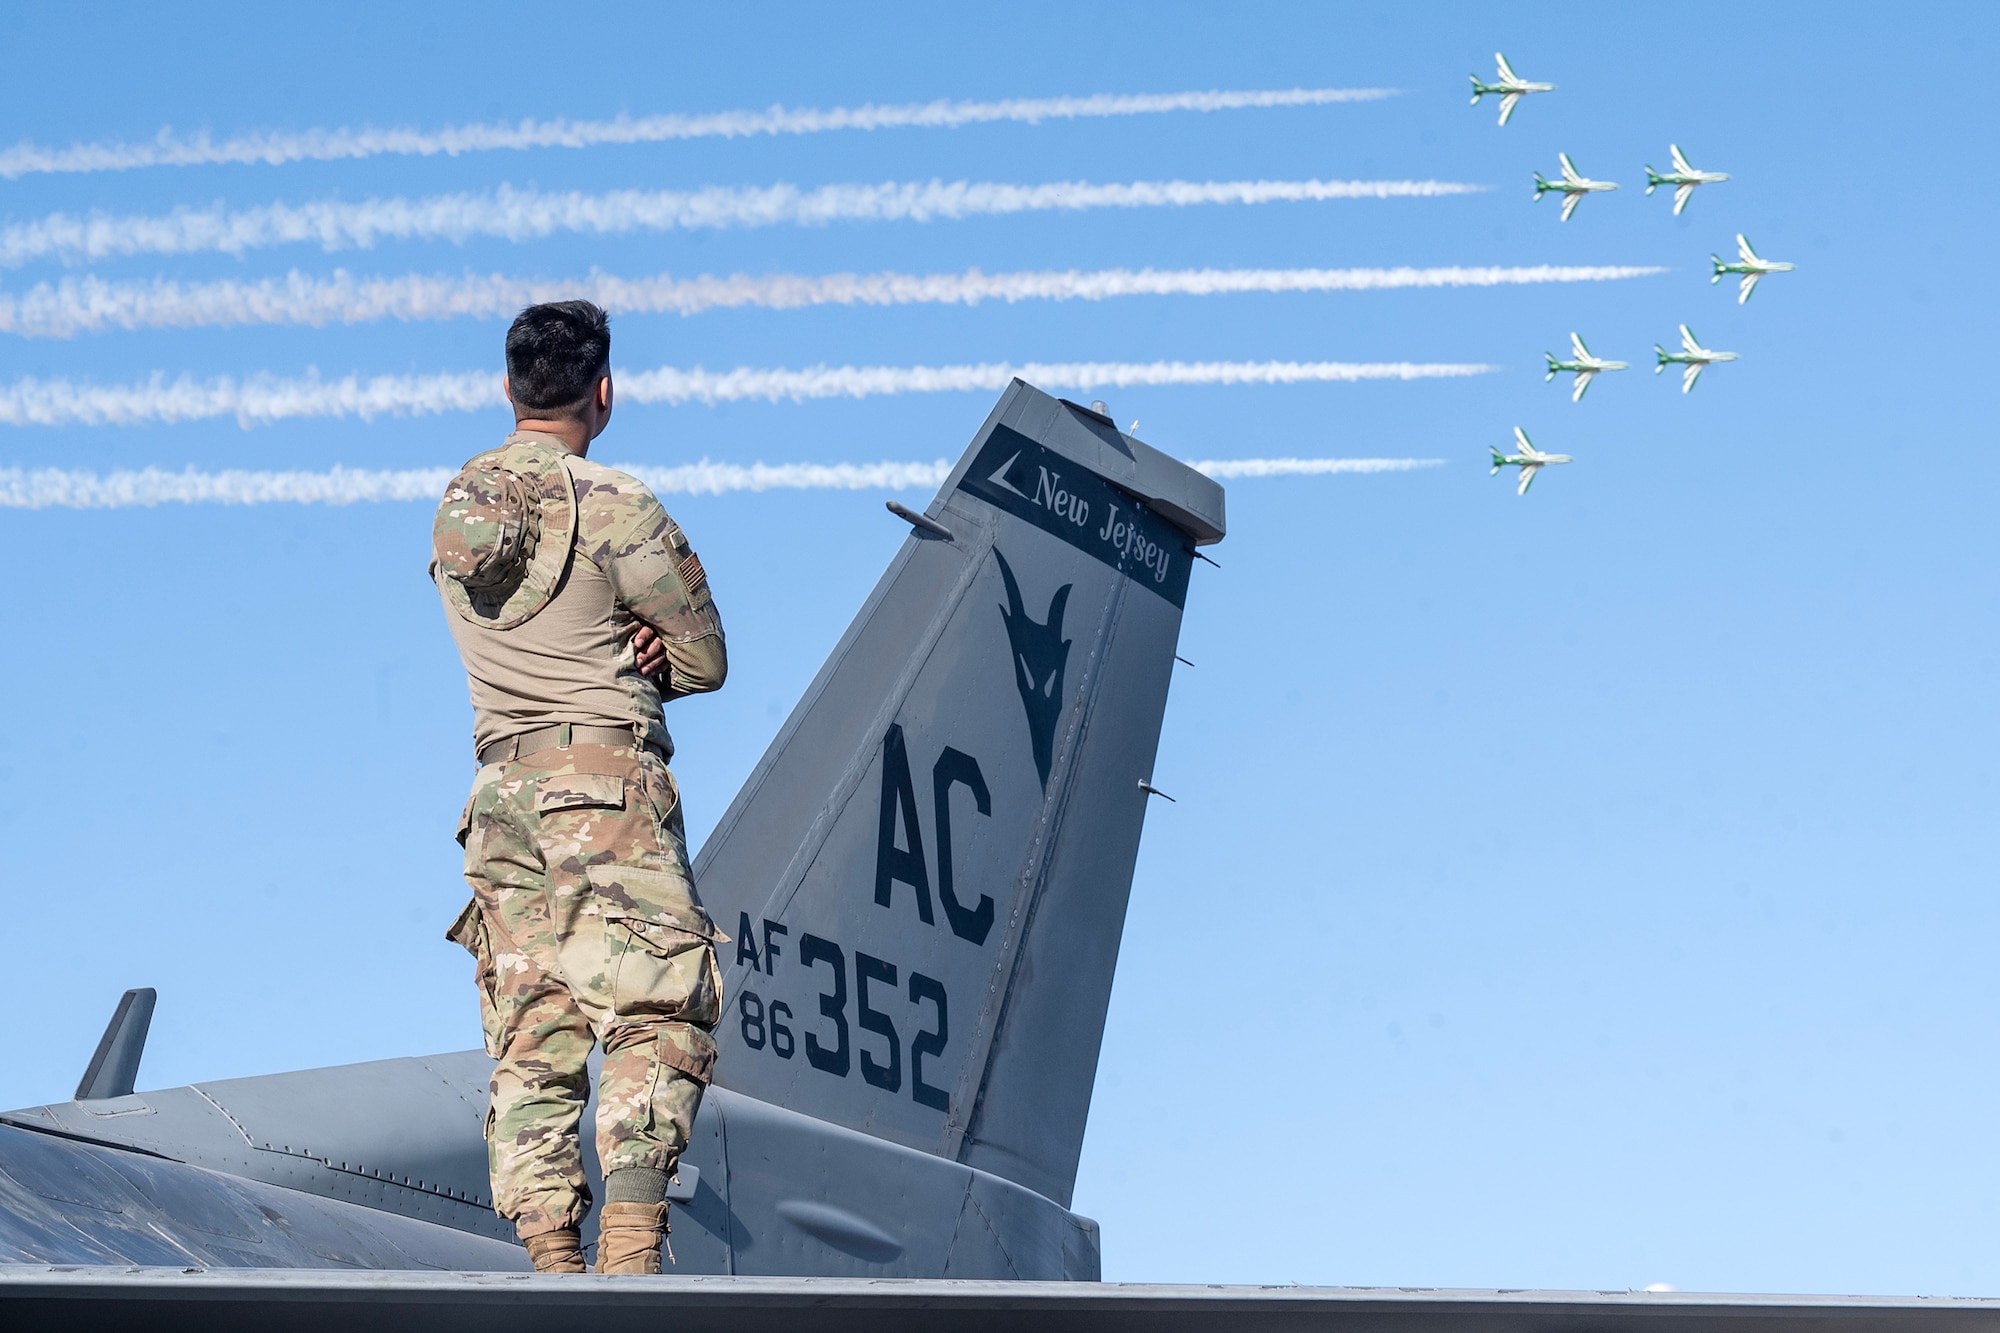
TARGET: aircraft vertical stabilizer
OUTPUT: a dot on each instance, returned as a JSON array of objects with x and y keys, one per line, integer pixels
[{"x": 927, "y": 874}]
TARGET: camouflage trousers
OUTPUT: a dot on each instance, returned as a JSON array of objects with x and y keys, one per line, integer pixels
[{"x": 585, "y": 928}]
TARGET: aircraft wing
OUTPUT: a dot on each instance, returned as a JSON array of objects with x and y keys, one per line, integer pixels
[
  {"x": 1682, "y": 194},
  {"x": 1583, "y": 378},
  {"x": 1507, "y": 102},
  {"x": 1528, "y": 471},
  {"x": 1749, "y": 285},
  {"x": 1569, "y": 205},
  {"x": 174, "y": 1299},
  {"x": 1691, "y": 374},
  {"x": 1680, "y": 159}
]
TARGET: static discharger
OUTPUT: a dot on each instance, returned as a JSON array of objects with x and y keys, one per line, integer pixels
[{"x": 921, "y": 522}]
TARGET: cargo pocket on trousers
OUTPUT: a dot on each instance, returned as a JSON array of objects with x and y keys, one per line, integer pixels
[
  {"x": 579, "y": 791},
  {"x": 662, "y": 972},
  {"x": 665, "y": 897},
  {"x": 469, "y": 933}
]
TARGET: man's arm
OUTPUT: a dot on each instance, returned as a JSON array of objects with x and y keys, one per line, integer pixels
[{"x": 659, "y": 579}]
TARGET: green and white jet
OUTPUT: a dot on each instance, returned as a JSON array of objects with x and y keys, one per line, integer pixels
[
  {"x": 1510, "y": 87},
  {"x": 1530, "y": 460},
  {"x": 1584, "y": 366},
  {"x": 1692, "y": 355},
  {"x": 1683, "y": 178},
  {"x": 1573, "y": 185},
  {"x": 1749, "y": 265}
]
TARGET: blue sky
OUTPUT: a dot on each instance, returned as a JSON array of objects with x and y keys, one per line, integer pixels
[{"x": 1588, "y": 890}]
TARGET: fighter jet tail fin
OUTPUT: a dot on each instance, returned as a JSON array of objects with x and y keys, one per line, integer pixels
[
  {"x": 927, "y": 873},
  {"x": 1499, "y": 461}
]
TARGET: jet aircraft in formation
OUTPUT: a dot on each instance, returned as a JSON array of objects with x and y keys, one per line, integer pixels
[
  {"x": 1683, "y": 178},
  {"x": 1530, "y": 460},
  {"x": 1572, "y": 186},
  {"x": 1510, "y": 86},
  {"x": 1749, "y": 265},
  {"x": 1693, "y": 356},
  {"x": 1583, "y": 365}
]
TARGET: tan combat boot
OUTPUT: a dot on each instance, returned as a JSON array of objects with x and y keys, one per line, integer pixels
[
  {"x": 629, "y": 1236},
  {"x": 557, "y": 1251}
]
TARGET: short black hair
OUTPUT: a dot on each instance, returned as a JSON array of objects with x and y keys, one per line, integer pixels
[{"x": 556, "y": 353}]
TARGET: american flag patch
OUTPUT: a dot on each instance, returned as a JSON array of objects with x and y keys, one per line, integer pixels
[{"x": 692, "y": 574}]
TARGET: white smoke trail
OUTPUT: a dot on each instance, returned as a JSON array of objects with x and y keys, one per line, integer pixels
[
  {"x": 1222, "y": 469},
  {"x": 90, "y": 304},
  {"x": 50, "y": 488},
  {"x": 263, "y": 399},
  {"x": 55, "y": 488},
  {"x": 521, "y": 215},
  {"x": 168, "y": 149}
]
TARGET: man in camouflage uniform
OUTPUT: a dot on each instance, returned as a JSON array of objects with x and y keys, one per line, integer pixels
[{"x": 578, "y": 608}]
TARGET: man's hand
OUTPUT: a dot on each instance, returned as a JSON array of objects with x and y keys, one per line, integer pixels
[{"x": 651, "y": 652}]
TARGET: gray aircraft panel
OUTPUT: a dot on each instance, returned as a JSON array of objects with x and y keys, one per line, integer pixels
[
  {"x": 175, "y": 1299},
  {"x": 62, "y": 1201},
  {"x": 398, "y": 1135}
]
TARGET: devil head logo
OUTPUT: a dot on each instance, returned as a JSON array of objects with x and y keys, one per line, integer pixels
[{"x": 1040, "y": 653}]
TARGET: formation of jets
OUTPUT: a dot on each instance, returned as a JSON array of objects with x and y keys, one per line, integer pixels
[
  {"x": 1510, "y": 86},
  {"x": 1573, "y": 185},
  {"x": 1530, "y": 460}
]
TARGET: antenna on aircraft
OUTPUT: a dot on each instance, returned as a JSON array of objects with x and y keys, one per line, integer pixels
[{"x": 114, "y": 1068}]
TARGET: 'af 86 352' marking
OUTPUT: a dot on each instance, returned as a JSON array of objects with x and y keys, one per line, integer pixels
[{"x": 831, "y": 1044}]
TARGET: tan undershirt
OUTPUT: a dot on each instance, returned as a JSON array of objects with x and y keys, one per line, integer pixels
[{"x": 573, "y": 660}]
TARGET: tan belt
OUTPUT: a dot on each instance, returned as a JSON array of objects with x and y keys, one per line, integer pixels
[{"x": 561, "y": 737}]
